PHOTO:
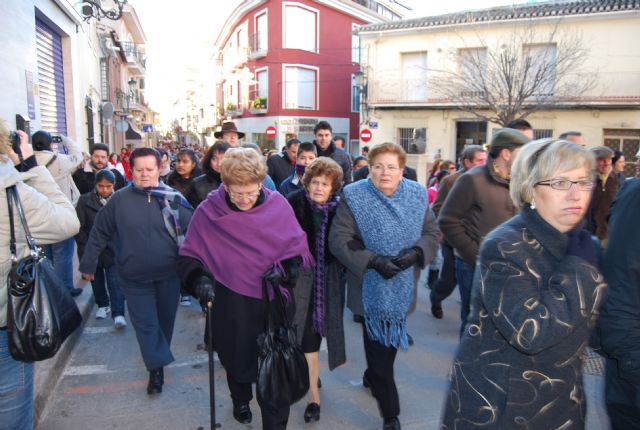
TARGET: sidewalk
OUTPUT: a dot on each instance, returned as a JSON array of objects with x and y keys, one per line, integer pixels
[{"x": 104, "y": 384}]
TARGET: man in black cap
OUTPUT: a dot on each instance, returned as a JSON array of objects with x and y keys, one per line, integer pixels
[
  {"x": 479, "y": 202},
  {"x": 85, "y": 178},
  {"x": 281, "y": 165},
  {"x": 229, "y": 134},
  {"x": 62, "y": 166}
]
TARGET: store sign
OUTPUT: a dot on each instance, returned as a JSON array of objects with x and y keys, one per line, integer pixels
[{"x": 298, "y": 125}]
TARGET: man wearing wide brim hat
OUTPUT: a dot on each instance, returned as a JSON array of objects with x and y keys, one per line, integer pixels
[
  {"x": 229, "y": 134},
  {"x": 478, "y": 203}
]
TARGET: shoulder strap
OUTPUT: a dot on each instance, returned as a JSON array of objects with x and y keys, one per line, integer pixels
[
  {"x": 12, "y": 195},
  {"x": 51, "y": 161}
]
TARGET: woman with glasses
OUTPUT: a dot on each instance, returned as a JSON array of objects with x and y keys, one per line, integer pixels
[
  {"x": 383, "y": 232},
  {"x": 241, "y": 231},
  {"x": 319, "y": 292},
  {"x": 535, "y": 299}
]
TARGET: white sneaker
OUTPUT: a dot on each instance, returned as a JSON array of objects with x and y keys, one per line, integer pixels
[
  {"x": 102, "y": 313},
  {"x": 185, "y": 300},
  {"x": 119, "y": 322}
]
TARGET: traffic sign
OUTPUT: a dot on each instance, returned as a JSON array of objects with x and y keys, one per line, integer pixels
[
  {"x": 366, "y": 135},
  {"x": 270, "y": 132}
]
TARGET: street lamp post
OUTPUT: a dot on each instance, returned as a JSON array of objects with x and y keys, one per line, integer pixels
[
  {"x": 125, "y": 99},
  {"x": 361, "y": 84},
  {"x": 94, "y": 9}
]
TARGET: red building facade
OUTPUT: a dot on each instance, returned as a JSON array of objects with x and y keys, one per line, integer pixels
[{"x": 290, "y": 64}]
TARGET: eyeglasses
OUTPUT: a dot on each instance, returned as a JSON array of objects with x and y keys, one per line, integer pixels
[
  {"x": 565, "y": 184},
  {"x": 382, "y": 168},
  {"x": 243, "y": 196}
]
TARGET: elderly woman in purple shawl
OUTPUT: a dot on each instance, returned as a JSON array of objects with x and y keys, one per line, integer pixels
[{"x": 236, "y": 235}]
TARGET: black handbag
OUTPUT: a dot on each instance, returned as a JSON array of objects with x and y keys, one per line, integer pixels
[
  {"x": 41, "y": 313},
  {"x": 283, "y": 372}
]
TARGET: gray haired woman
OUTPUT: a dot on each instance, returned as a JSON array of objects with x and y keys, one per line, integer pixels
[{"x": 535, "y": 298}]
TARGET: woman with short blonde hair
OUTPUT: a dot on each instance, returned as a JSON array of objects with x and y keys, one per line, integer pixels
[{"x": 240, "y": 232}]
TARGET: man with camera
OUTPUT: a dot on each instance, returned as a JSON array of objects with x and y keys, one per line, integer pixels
[{"x": 62, "y": 167}]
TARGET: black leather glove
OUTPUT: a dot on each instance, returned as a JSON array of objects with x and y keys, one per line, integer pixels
[
  {"x": 384, "y": 266},
  {"x": 291, "y": 268},
  {"x": 272, "y": 277},
  {"x": 581, "y": 244},
  {"x": 205, "y": 290},
  {"x": 407, "y": 257}
]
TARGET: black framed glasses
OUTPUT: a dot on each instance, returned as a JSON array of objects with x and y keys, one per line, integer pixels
[{"x": 565, "y": 184}]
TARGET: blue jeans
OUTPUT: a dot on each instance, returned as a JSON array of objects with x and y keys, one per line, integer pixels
[
  {"x": 107, "y": 278},
  {"x": 464, "y": 275},
  {"x": 16, "y": 390},
  {"x": 61, "y": 255}
]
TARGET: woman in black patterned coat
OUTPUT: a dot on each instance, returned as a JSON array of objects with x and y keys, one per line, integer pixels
[{"x": 535, "y": 299}]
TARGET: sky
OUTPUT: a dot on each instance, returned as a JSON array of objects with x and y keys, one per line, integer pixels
[{"x": 180, "y": 38}]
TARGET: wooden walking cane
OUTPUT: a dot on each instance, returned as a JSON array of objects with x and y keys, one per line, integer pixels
[{"x": 212, "y": 391}]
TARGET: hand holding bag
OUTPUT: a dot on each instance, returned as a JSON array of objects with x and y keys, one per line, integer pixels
[
  {"x": 283, "y": 373},
  {"x": 41, "y": 313}
]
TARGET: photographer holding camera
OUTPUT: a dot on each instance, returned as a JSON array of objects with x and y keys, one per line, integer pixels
[
  {"x": 51, "y": 218},
  {"x": 62, "y": 167}
]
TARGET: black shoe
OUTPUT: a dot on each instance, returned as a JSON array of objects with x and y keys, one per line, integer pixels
[
  {"x": 365, "y": 381},
  {"x": 319, "y": 383},
  {"x": 312, "y": 413},
  {"x": 75, "y": 292},
  {"x": 436, "y": 311},
  {"x": 391, "y": 424},
  {"x": 156, "y": 380},
  {"x": 242, "y": 413},
  {"x": 358, "y": 319},
  {"x": 410, "y": 339}
]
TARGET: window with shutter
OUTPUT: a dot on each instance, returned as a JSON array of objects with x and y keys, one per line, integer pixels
[{"x": 50, "y": 79}]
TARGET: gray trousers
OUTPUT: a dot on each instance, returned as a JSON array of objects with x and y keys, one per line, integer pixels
[{"x": 152, "y": 308}]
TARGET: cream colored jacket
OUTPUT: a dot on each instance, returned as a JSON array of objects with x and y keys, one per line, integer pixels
[
  {"x": 50, "y": 215},
  {"x": 63, "y": 166}
]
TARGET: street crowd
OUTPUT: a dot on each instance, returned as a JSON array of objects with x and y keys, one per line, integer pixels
[{"x": 537, "y": 235}]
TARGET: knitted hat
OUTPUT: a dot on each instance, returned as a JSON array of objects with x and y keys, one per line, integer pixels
[
  {"x": 602, "y": 152},
  {"x": 508, "y": 138}
]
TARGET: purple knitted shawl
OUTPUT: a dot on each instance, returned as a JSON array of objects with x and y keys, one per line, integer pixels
[{"x": 239, "y": 247}]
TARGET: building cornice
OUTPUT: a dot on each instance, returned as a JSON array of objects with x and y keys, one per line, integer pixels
[
  {"x": 231, "y": 22},
  {"x": 355, "y": 10}
]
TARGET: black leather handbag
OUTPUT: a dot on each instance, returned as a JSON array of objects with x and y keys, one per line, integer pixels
[
  {"x": 41, "y": 313},
  {"x": 283, "y": 373}
]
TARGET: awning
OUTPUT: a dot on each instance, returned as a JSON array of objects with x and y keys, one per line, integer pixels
[{"x": 133, "y": 133}]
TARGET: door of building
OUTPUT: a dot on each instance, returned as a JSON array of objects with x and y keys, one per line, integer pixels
[
  {"x": 470, "y": 133},
  {"x": 50, "y": 79},
  {"x": 628, "y": 142}
]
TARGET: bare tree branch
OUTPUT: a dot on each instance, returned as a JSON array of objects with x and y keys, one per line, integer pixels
[{"x": 521, "y": 74}]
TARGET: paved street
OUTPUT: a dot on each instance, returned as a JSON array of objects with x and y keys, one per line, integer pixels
[{"x": 103, "y": 385}]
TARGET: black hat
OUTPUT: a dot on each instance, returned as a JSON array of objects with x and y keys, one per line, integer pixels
[{"x": 228, "y": 127}]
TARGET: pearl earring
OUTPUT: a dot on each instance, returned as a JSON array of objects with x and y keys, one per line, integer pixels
[{"x": 533, "y": 204}]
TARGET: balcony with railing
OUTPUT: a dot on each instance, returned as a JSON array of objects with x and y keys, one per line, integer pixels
[
  {"x": 257, "y": 45},
  {"x": 134, "y": 57},
  {"x": 257, "y": 104}
]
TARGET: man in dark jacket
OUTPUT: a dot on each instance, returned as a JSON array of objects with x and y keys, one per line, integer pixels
[
  {"x": 280, "y": 166},
  {"x": 603, "y": 193},
  {"x": 326, "y": 147},
  {"x": 620, "y": 314},
  {"x": 478, "y": 202},
  {"x": 472, "y": 156},
  {"x": 85, "y": 178}
]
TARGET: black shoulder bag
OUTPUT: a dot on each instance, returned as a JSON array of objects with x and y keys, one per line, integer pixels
[
  {"x": 41, "y": 313},
  {"x": 283, "y": 373}
]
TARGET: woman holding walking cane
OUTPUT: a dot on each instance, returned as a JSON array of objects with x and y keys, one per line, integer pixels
[{"x": 236, "y": 235}]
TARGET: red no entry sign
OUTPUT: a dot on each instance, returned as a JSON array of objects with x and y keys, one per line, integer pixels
[
  {"x": 366, "y": 135},
  {"x": 270, "y": 132}
]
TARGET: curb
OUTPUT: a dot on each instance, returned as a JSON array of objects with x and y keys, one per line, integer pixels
[{"x": 48, "y": 372}]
